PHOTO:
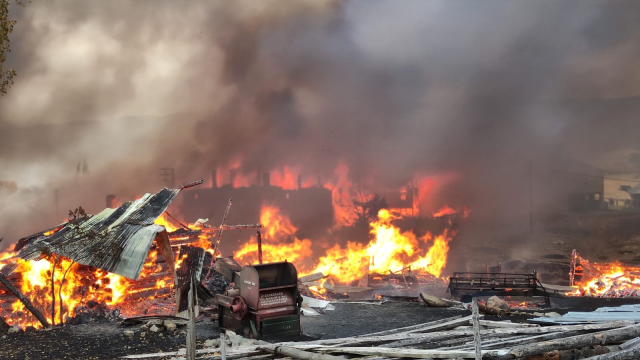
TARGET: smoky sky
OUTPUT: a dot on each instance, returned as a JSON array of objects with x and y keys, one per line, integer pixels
[{"x": 390, "y": 87}]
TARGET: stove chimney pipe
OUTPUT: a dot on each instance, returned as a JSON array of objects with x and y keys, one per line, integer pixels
[
  {"x": 111, "y": 201},
  {"x": 214, "y": 178},
  {"x": 299, "y": 181},
  {"x": 266, "y": 179}
]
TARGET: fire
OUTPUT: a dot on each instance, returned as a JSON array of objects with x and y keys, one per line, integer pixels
[
  {"x": 279, "y": 242},
  {"x": 389, "y": 250},
  {"x": 76, "y": 286},
  {"x": 286, "y": 179},
  {"x": 340, "y": 187},
  {"x": 445, "y": 210},
  {"x": 165, "y": 221},
  {"x": 318, "y": 292}
]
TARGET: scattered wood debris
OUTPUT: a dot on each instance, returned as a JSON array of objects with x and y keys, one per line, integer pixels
[{"x": 453, "y": 337}]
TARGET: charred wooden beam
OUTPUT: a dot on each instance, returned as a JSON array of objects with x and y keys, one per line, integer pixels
[
  {"x": 259, "y": 235},
  {"x": 27, "y": 303},
  {"x": 192, "y": 259}
]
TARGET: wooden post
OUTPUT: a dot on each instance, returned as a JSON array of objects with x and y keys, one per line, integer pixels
[
  {"x": 27, "y": 303},
  {"x": 191, "y": 327},
  {"x": 476, "y": 328},
  {"x": 223, "y": 346}
]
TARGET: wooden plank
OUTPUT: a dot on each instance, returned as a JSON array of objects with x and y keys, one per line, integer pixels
[
  {"x": 310, "y": 277},
  {"x": 190, "y": 262}
]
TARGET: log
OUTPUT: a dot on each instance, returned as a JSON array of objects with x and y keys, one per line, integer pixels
[
  {"x": 505, "y": 324},
  {"x": 433, "y": 301},
  {"x": 414, "y": 339},
  {"x": 400, "y": 335},
  {"x": 476, "y": 329},
  {"x": 411, "y": 353},
  {"x": 574, "y": 342},
  {"x": 489, "y": 310},
  {"x": 299, "y": 354},
  {"x": 412, "y": 327},
  {"x": 629, "y": 354},
  {"x": 27, "y": 303}
]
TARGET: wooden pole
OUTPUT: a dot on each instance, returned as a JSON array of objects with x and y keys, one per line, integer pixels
[
  {"x": 629, "y": 354},
  {"x": 476, "y": 328},
  {"x": 27, "y": 303},
  {"x": 223, "y": 346},
  {"x": 300, "y": 354},
  {"x": 191, "y": 327},
  {"x": 259, "y": 247}
]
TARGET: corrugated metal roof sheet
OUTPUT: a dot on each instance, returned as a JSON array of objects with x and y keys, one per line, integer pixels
[{"x": 115, "y": 240}]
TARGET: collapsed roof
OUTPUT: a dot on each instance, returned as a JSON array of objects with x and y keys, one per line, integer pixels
[{"x": 115, "y": 240}]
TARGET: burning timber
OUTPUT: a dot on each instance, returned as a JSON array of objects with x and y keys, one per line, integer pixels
[{"x": 113, "y": 258}]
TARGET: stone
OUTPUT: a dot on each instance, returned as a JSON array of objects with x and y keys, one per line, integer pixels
[
  {"x": 129, "y": 333},
  {"x": 552, "y": 314},
  {"x": 169, "y": 325},
  {"x": 212, "y": 343},
  {"x": 144, "y": 328},
  {"x": 157, "y": 322},
  {"x": 496, "y": 302},
  {"x": 14, "y": 329},
  {"x": 156, "y": 329},
  {"x": 143, "y": 334},
  {"x": 182, "y": 332}
]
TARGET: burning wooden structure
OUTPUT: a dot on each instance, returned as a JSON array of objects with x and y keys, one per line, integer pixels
[
  {"x": 603, "y": 280},
  {"x": 108, "y": 261}
]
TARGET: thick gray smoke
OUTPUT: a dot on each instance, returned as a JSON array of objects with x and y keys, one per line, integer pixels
[{"x": 465, "y": 87}]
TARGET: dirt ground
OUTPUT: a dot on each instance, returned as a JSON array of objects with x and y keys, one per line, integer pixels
[{"x": 106, "y": 340}]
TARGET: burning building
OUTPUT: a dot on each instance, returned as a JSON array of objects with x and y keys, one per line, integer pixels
[{"x": 309, "y": 208}]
